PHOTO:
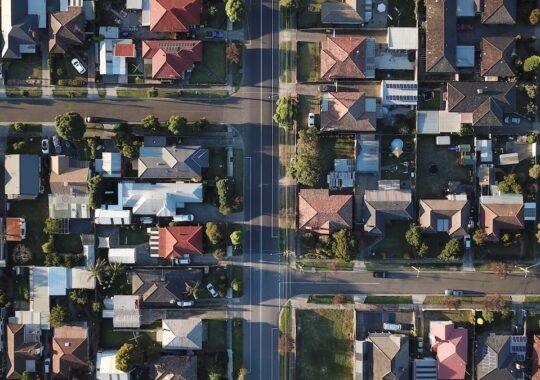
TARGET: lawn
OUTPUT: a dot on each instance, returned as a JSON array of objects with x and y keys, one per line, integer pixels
[
  {"x": 466, "y": 302},
  {"x": 285, "y": 61},
  {"x": 23, "y": 92},
  {"x": 19, "y": 145},
  {"x": 213, "y": 68},
  {"x": 323, "y": 265},
  {"x": 532, "y": 299},
  {"x": 387, "y": 300},
  {"x": 324, "y": 344},
  {"x": 238, "y": 171},
  {"x": 309, "y": 14},
  {"x": 326, "y": 300},
  {"x": 70, "y": 92},
  {"x": 217, "y": 20},
  {"x": 218, "y": 164},
  {"x": 217, "y": 335},
  {"x": 332, "y": 147},
  {"x": 307, "y": 104},
  {"x": 393, "y": 244},
  {"x": 285, "y": 320},
  {"x": 436, "y": 165},
  {"x": 28, "y": 67},
  {"x": 68, "y": 243},
  {"x": 108, "y": 338},
  {"x": 402, "y": 13},
  {"x": 459, "y": 317},
  {"x": 238, "y": 274},
  {"x": 133, "y": 235},
  {"x": 237, "y": 345},
  {"x": 308, "y": 63},
  {"x": 433, "y": 104}
]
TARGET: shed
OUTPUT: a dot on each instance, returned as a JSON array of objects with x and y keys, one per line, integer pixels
[
  {"x": 58, "y": 281},
  {"x": 442, "y": 140},
  {"x": 509, "y": 159},
  {"x": 435, "y": 122},
  {"x": 123, "y": 255},
  {"x": 402, "y": 38},
  {"x": 106, "y": 367}
]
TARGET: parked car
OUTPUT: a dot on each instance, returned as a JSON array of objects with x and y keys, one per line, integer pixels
[
  {"x": 57, "y": 145},
  {"x": 512, "y": 120},
  {"x": 391, "y": 326},
  {"x": 212, "y": 290},
  {"x": 45, "y": 146},
  {"x": 467, "y": 241},
  {"x": 147, "y": 220},
  {"x": 47, "y": 365},
  {"x": 214, "y": 34},
  {"x": 427, "y": 96},
  {"x": 455, "y": 293},
  {"x": 464, "y": 27},
  {"x": 311, "y": 119},
  {"x": 326, "y": 87},
  {"x": 78, "y": 66},
  {"x": 380, "y": 274},
  {"x": 185, "y": 303},
  {"x": 183, "y": 218},
  {"x": 91, "y": 119},
  {"x": 186, "y": 260}
]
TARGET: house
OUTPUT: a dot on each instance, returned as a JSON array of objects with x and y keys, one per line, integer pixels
[
  {"x": 382, "y": 356},
  {"x": 174, "y": 367},
  {"x": 450, "y": 344},
  {"x": 444, "y": 215},
  {"x": 348, "y": 58},
  {"x": 425, "y": 369},
  {"x": 70, "y": 350},
  {"x": 182, "y": 334},
  {"x": 112, "y": 217},
  {"x": 66, "y": 30},
  {"x": 19, "y": 186},
  {"x": 23, "y": 350},
  {"x": 497, "y": 57},
  {"x": 482, "y": 104},
  {"x": 163, "y": 287},
  {"x": 69, "y": 176},
  {"x": 402, "y": 38},
  {"x": 21, "y": 21},
  {"x": 124, "y": 255},
  {"x": 106, "y": 367},
  {"x": 61, "y": 279},
  {"x": 15, "y": 229},
  {"x": 180, "y": 241},
  {"x": 174, "y": 15},
  {"x": 499, "y": 12},
  {"x": 348, "y": 112},
  {"x": 175, "y": 162},
  {"x": 501, "y": 213},
  {"x": 320, "y": 212},
  {"x": 170, "y": 59},
  {"x": 441, "y": 36},
  {"x": 126, "y": 311},
  {"x": 109, "y": 165},
  {"x": 113, "y": 54},
  {"x": 350, "y": 12},
  {"x": 381, "y": 206},
  {"x": 500, "y": 356}
]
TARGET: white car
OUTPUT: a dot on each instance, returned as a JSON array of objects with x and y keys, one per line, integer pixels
[
  {"x": 311, "y": 120},
  {"x": 455, "y": 293},
  {"x": 78, "y": 66},
  {"x": 185, "y": 303},
  {"x": 182, "y": 261},
  {"x": 212, "y": 290},
  {"x": 467, "y": 241},
  {"x": 47, "y": 365},
  {"x": 183, "y": 218},
  {"x": 45, "y": 146}
]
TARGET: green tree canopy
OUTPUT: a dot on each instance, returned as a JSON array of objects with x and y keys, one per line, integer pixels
[
  {"x": 534, "y": 171},
  {"x": 236, "y": 238},
  {"x": 510, "y": 184},
  {"x": 177, "y": 124},
  {"x": 531, "y": 63},
  {"x": 235, "y": 10},
  {"x": 534, "y": 17},
  {"x": 129, "y": 150},
  {"x": 305, "y": 168},
  {"x": 214, "y": 233},
  {"x": 451, "y": 250},
  {"x": 70, "y": 126},
  {"x": 223, "y": 188},
  {"x": 95, "y": 191},
  {"x": 286, "y": 111},
  {"x": 412, "y": 236},
  {"x": 288, "y": 4},
  {"x": 128, "y": 357},
  {"x": 150, "y": 122},
  {"x": 344, "y": 245},
  {"x": 58, "y": 316}
]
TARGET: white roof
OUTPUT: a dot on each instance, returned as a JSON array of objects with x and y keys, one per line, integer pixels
[
  {"x": 435, "y": 122},
  {"x": 465, "y": 56},
  {"x": 109, "y": 64},
  {"x": 399, "y": 92},
  {"x": 134, "y": 4},
  {"x": 182, "y": 334},
  {"x": 106, "y": 367},
  {"x": 509, "y": 159},
  {"x": 465, "y": 8},
  {"x": 442, "y": 140},
  {"x": 105, "y": 216},
  {"x": 122, "y": 255},
  {"x": 110, "y": 164},
  {"x": 58, "y": 281},
  {"x": 126, "y": 311},
  {"x": 39, "y": 294},
  {"x": 145, "y": 18},
  {"x": 89, "y": 251},
  {"x": 509, "y": 199},
  {"x": 109, "y": 31},
  {"x": 402, "y": 38}
]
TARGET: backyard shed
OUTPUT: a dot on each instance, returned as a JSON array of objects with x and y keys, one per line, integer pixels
[{"x": 443, "y": 140}]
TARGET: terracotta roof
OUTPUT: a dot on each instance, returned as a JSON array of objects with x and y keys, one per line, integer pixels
[
  {"x": 346, "y": 111},
  {"x": 344, "y": 57},
  {"x": 69, "y": 176},
  {"x": 178, "y": 241},
  {"x": 441, "y": 36},
  {"x": 503, "y": 216},
  {"x": 171, "y": 58},
  {"x": 455, "y": 213},
  {"x": 13, "y": 229},
  {"x": 451, "y": 348},
  {"x": 19, "y": 351},
  {"x": 124, "y": 50},
  {"x": 324, "y": 213},
  {"x": 497, "y": 56},
  {"x": 499, "y": 12},
  {"x": 66, "y": 29},
  {"x": 70, "y": 350},
  {"x": 174, "y": 15}
]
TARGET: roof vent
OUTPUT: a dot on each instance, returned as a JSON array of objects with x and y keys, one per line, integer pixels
[{"x": 67, "y": 344}]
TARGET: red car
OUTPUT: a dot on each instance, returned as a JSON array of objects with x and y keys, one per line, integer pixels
[{"x": 464, "y": 27}]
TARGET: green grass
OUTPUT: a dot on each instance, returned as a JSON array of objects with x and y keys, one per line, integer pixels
[
  {"x": 218, "y": 164},
  {"x": 433, "y": 104},
  {"x": 70, "y": 93},
  {"x": 131, "y": 93},
  {"x": 465, "y": 301},
  {"x": 393, "y": 245},
  {"x": 323, "y": 265},
  {"x": 20, "y": 145},
  {"x": 404, "y": 300},
  {"x": 308, "y": 63},
  {"x": 204, "y": 93},
  {"x": 326, "y": 300},
  {"x": 108, "y": 338},
  {"x": 217, "y": 335},
  {"x": 324, "y": 344},
  {"x": 237, "y": 345},
  {"x": 238, "y": 171},
  {"x": 213, "y": 68},
  {"x": 217, "y": 21},
  {"x": 500, "y": 325},
  {"x": 237, "y": 73},
  {"x": 238, "y": 274},
  {"x": 101, "y": 92},
  {"x": 285, "y": 319},
  {"x": 404, "y": 17},
  {"x": 129, "y": 236},
  {"x": 284, "y": 364},
  {"x": 532, "y": 299},
  {"x": 309, "y": 14},
  {"x": 370, "y": 265},
  {"x": 285, "y": 61},
  {"x": 333, "y": 147},
  {"x": 69, "y": 243},
  {"x": 28, "y": 67},
  {"x": 20, "y": 92},
  {"x": 27, "y": 128}
]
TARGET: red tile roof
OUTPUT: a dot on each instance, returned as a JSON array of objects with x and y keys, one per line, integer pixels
[
  {"x": 171, "y": 58},
  {"x": 124, "y": 50},
  {"x": 13, "y": 229},
  {"x": 451, "y": 348},
  {"x": 324, "y": 213},
  {"x": 497, "y": 217},
  {"x": 174, "y": 15},
  {"x": 175, "y": 242},
  {"x": 344, "y": 57}
]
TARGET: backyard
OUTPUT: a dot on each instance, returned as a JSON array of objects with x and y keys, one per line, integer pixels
[
  {"x": 213, "y": 15},
  {"x": 68, "y": 243},
  {"x": 133, "y": 235},
  {"x": 401, "y": 13},
  {"x": 397, "y": 166},
  {"x": 309, "y": 14},
  {"x": 17, "y": 145},
  {"x": 308, "y": 61},
  {"x": 108, "y": 338},
  {"x": 336, "y": 146},
  {"x": 213, "y": 68},
  {"x": 324, "y": 344}
]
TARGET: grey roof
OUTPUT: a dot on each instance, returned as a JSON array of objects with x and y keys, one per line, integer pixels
[
  {"x": 339, "y": 13},
  {"x": 182, "y": 334},
  {"x": 441, "y": 36},
  {"x": 390, "y": 356},
  {"x": 497, "y": 57},
  {"x": 172, "y": 162},
  {"x": 23, "y": 26},
  {"x": 21, "y": 174},
  {"x": 499, "y": 12},
  {"x": 494, "y": 359},
  {"x": 384, "y": 205},
  {"x": 487, "y": 101},
  {"x": 174, "y": 367}
]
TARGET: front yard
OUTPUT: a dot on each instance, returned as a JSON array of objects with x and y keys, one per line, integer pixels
[
  {"x": 213, "y": 68},
  {"x": 308, "y": 61},
  {"x": 324, "y": 344},
  {"x": 217, "y": 335},
  {"x": 26, "y": 70}
]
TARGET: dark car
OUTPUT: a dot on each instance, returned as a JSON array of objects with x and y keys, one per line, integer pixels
[
  {"x": 57, "y": 145},
  {"x": 326, "y": 87},
  {"x": 380, "y": 274},
  {"x": 464, "y": 27},
  {"x": 214, "y": 34}
]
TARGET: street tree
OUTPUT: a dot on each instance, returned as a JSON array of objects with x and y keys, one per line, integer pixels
[
  {"x": 236, "y": 285},
  {"x": 233, "y": 53},
  {"x": 534, "y": 17},
  {"x": 534, "y": 171},
  {"x": 235, "y": 10},
  {"x": 58, "y": 316},
  {"x": 479, "y": 237},
  {"x": 531, "y": 63},
  {"x": 344, "y": 245},
  {"x": 177, "y": 124},
  {"x": 305, "y": 167},
  {"x": 236, "y": 238},
  {"x": 286, "y": 111},
  {"x": 423, "y": 250},
  {"x": 496, "y": 302},
  {"x": 70, "y": 126},
  {"x": 451, "y": 250},
  {"x": 128, "y": 357},
  {"x": 501, "y": 269},
  {"x": 150, "y": 122},
  {"x": 214, "y": 233}
]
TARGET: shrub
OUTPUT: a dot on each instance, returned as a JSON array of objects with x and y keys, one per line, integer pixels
[
  {"x": 479, "y": 237},
  {"x": 48, "y": 246},
  {"x": 223, "y": 189},
  {"x": 534, "y": 17},
  {"x": 451, "y": 250},
  {"x": 344, "y": 245},
  {"x": 510, "y": 185},
  {"x": 214, "y": 233},
  {"x": 286, "y": 111},
  {"x": 128, "y": 357},
  {"x": 95, "y": 192},
  {"x": 530, "y": 90},
  {"x": 58, "y": 316},
  {"x": 235, "y": 10},
  {"x": 531, "y": 63},
  {"x": 534, "y": 171}
]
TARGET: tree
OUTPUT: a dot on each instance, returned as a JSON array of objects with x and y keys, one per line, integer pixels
[
  {"x": 150, "y": 122},
  {"x": 129, "y": 151},
  {"x": 488, "y": 315},
  {"x": 19, "y": 127},
  {"x": 95, "y": 191},
  {"x": 451, "y": 250},
  {"x": 53, "y": 260},
  {"x": 58, "y": 316},
  {"x": 115, "y": 270},
  {"x": 128, "y": 357},
  {"x": 26, "y": 375},
  {"x": 305, "y": 168},
  {"x": 530, "y": 90},
  {"x": 201, "y": 124},
  {"x": 479, "y": 237},
  {"x": 223, "y": 189},
  {"x": 235, "y": 9},
  {"x": 214, "y": 233},
  {"x": 22, "y": 254},
  {"x": 501, "y": 269},
  {"x": 466, "y": 130},
  {"x": 288, "y": 4},
  {"x": 531, "y": 63},
  {"x": 98, "y": 270},
  {"x": 509, "y": 184},
  {"x": 344, "y": 245},
  {"x": 412, "y": 236},
  {"x": 70, "y": 126},
  {"x": 242, "y": 373},
  {"x": 193, "y": 289},
  {"x": 423, "y": 250},
  {"x": 236, "y": 238},
  {"x": 212, "y": 10},
  {"x": 496, "y": 302},
  {"x": 534, "y": 17},
  {"x": 286, "y": 111},
  {"x": 177, "y": 124},
  {"x": 232, "y": 52},
  {"x": 51, "y": 226},
  {"x": 214, "y": 374},
  {"x": 538, "y": 233},
  {"x": 534, "y": 171},
  {"x": 219, "y": 253},
  {"x": 237, "y": 285},
  {"x": 323, "y": 246},
  {"x": 451, "y": 302},
  {"x": 78, "y": 296},
  {"x": 97, "y": 307}
]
